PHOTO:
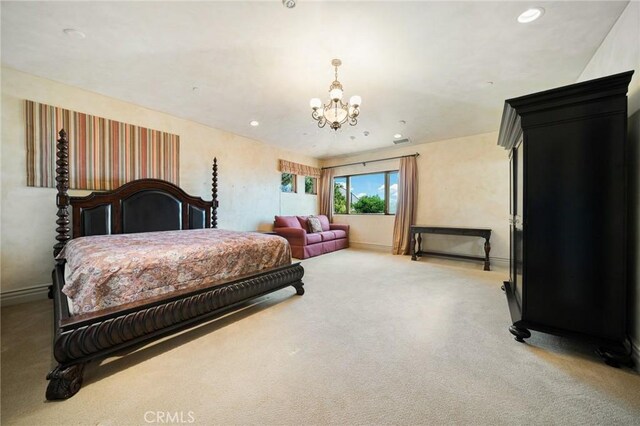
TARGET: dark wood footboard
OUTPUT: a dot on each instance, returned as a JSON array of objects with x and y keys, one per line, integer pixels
[{"x": 81, "y": 338}]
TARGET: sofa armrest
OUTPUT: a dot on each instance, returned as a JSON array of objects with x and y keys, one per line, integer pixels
[
  {"x": 295, "y": 236},
  {"x": 340, "y": 226},
  {"x": 290, "y": 232}
]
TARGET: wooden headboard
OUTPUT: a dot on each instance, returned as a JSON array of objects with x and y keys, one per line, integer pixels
[{"x": 143, "y": 205}]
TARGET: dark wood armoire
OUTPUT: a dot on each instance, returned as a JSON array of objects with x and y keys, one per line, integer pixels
[{"x": 568, "y": 269}]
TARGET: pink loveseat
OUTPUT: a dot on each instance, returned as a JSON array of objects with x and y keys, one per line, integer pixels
[{"x": 305, "y": 244}]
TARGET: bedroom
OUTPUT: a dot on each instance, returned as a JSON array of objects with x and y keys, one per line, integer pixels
[{"x": 356, "y": 347}]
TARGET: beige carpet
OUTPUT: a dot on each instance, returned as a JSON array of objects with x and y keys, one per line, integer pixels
[{"x": 376, "y": 339}]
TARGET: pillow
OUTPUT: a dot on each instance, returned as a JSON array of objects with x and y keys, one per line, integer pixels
[
  {"x": 303, "y": 222},
  {"x": 286, "y": 222},
  {"x": 314, "y": 224},
  {"x": 324, "y": 221}
]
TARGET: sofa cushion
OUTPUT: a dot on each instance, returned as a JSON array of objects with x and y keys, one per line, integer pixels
[
  {"x": 302, "y": 220},
  {"x": 327, "y": 235},
  {"x": 314, "y": 238},
  {"x": 286, "y": 222},
  {"x": 314, "y": 224},
  {"x": 324, "y": 221},
  {"x": 339, "y": 233}
]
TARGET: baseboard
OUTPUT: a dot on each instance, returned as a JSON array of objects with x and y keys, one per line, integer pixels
[
  {"x": 371, "y": 246},
  {"x": 23, "y": 295}
]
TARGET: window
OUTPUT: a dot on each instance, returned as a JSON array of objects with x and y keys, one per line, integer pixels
[
  {"x": 310, "y": 185},
  {"x": 288, "y": 182},
  {"x": 340, "y": 195},
  {"x": 373, "y": 193}
]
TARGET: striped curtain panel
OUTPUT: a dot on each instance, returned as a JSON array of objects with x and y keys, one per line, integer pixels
[{"x": 103, "y": 154}]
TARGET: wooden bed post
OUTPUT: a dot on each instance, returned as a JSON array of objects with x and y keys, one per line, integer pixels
[
  {"x": 214, "y": 193},
  {"x": 62, "y": 198},
  {"x": 64, "y": 382}
]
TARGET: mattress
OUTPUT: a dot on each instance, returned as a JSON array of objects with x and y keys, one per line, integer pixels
[{"x": 110, "y": 270}]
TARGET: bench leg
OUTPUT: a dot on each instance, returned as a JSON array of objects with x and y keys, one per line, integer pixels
[
  {"x": 413, "y": 246},
  {"x": 487, "y": 249}
]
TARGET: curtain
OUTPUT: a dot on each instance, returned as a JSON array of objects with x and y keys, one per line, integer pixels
[
  {"x": 407, "y": 204},
  {"x": 325, "y": 192}
]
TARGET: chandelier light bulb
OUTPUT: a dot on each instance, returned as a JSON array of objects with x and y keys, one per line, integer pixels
[
  {"x": 355, "y": 100},
  {"x": 335, "y": 95},
  {"x": 315, "y": 103}
]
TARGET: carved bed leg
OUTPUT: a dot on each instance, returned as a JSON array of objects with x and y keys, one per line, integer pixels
[
  {"x": 299, "y": 288},
  {"x": 64, "y": 382},
  {"x": 519, "y": 333}
]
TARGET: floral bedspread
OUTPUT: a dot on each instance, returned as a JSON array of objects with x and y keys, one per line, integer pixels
[{"x": 110, "y": 270}]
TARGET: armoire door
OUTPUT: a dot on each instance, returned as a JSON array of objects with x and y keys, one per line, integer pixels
[{"x": 516, "y": 226}]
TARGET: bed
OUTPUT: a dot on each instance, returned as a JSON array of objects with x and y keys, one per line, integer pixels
[{"x": 93, "y": 317}]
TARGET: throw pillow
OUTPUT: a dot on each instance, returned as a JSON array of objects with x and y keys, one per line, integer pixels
[{"x": 314, "y": 224}]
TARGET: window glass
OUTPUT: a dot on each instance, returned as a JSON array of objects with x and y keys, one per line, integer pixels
[
  {"x": 310, "y": 185},
  {"x": 393, "y": 192},
  {"x": 340, "y": 195},
  {"x": 288, "y": 182},
  {"x": 367, "y": 193}
]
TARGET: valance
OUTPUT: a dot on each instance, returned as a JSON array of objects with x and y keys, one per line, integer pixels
[
  {"x": 103, "y": 154},
  {"x": 299, "y": 169}
]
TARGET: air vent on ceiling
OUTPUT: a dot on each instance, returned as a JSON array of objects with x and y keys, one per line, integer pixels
[{"x": 400, "y": 141}]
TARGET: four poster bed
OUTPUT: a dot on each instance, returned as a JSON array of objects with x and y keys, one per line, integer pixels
[{"x": 151, "y": 263}]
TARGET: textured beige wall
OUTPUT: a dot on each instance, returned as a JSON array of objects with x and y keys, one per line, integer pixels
[
  {"x": 620, "y": 51},
  {"x": 462, "y": 182},
  {"x": 249, "y": 182}
]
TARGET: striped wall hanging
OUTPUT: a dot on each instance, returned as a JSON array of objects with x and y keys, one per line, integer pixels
[{"x": 103, "y": 154}]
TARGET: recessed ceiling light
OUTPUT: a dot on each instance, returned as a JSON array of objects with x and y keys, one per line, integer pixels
[
  {"x": 402, "y": 122},
  {"x": 397, "y": 136},
  {"x": 289, "y": 4},
  {"x": 73, "y": 33},
  {"x": 254, "y": 123},
  {"x": 530, "y": 15}
]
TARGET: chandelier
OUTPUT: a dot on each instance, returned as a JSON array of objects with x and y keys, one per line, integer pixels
[{"x": 335, "y": 112}]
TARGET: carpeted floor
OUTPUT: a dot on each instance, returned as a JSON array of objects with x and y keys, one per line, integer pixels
[{"x": 376, "y": 339}]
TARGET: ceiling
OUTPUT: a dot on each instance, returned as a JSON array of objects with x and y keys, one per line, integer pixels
[{"x": 427, "y": 63}]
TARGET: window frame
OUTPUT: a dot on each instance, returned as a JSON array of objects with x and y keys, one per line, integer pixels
[
  {"x": 314, "y": 187},
  {"x": 386, "y": 173},
  {"x": 294, "y": 183}
]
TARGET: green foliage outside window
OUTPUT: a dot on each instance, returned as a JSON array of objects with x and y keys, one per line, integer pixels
[
  {"x": 288, "y": 182},
  {"x": 339, "y": 199},
  {"x": 309, "y": 185},
  {"x": 368, "y": 204}
]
